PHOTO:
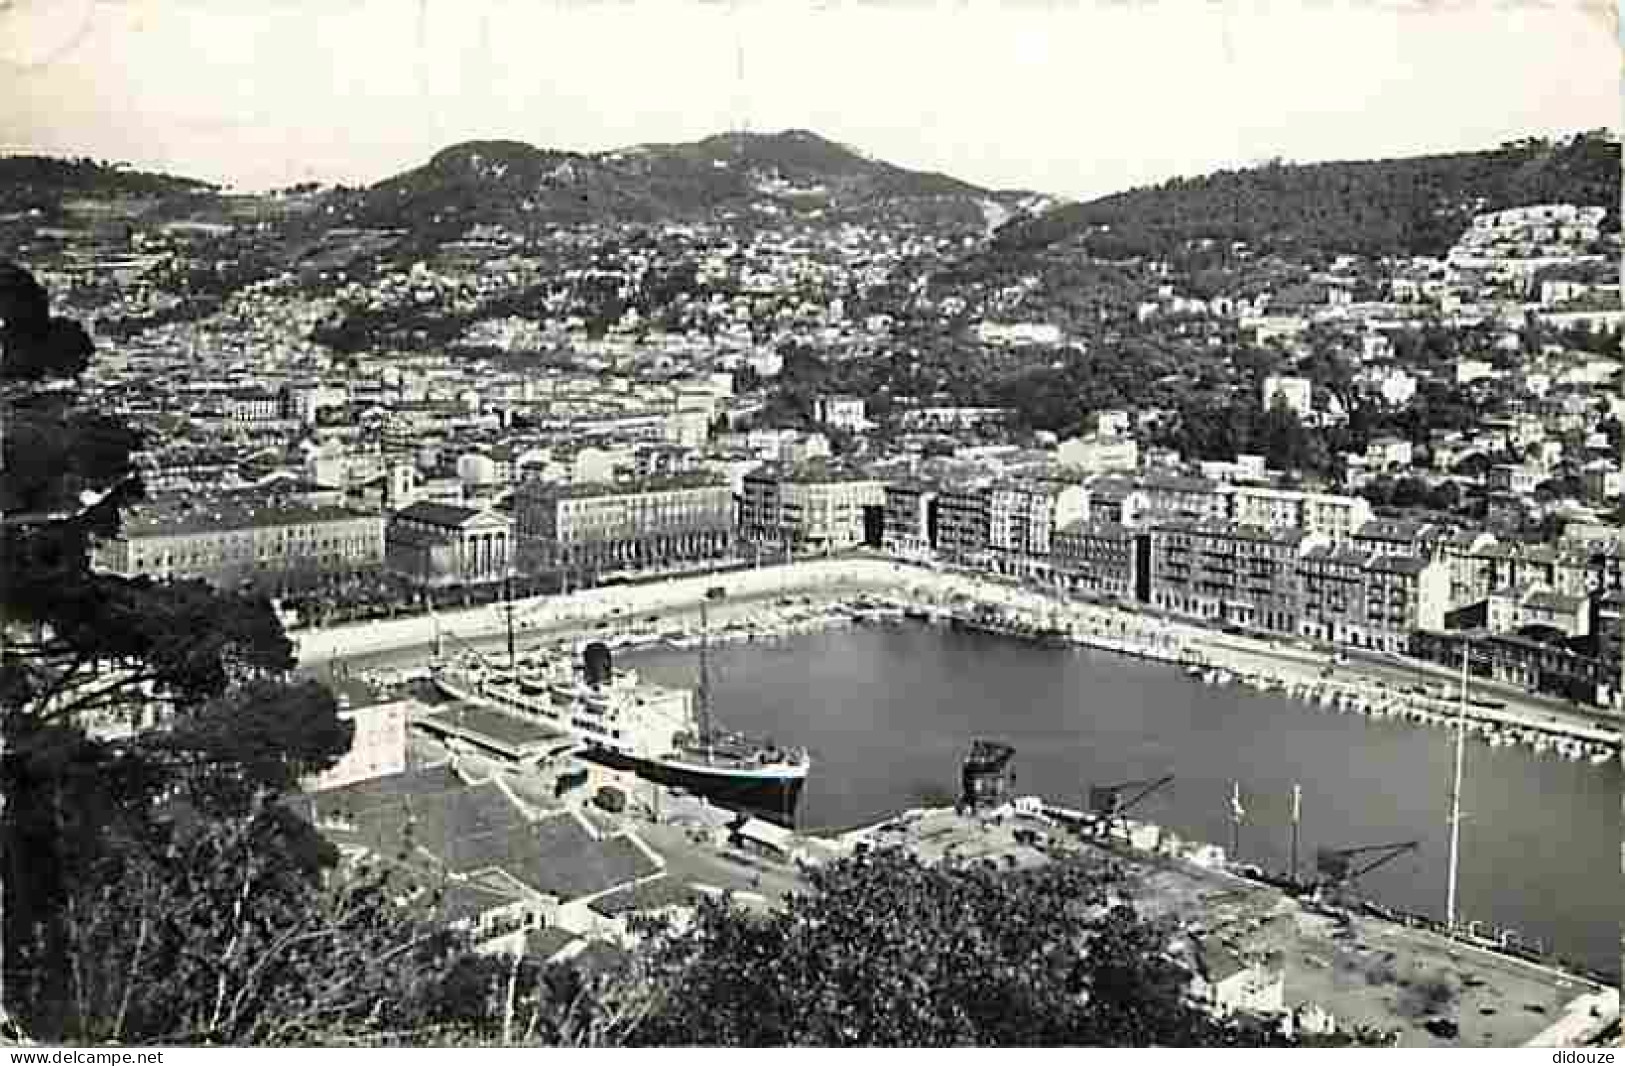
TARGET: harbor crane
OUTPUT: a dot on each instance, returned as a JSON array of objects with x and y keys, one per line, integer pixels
[
  {"x": 1108, "y": 803},
  {"x": 1341, "y": 867},
  {"x": 1338, "y": 865}
]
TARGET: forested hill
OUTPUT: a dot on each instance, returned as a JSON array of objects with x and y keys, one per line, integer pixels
[
  {"x": 1415, "y": 206},
  {"x": 29, "y": 182}
]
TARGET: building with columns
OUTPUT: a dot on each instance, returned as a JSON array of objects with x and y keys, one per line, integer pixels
[
  {"x": 682, "y": 521},
  {"x": 436, "y": 544}
]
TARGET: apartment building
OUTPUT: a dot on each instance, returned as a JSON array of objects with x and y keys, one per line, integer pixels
[
  {"x": 809, "y": 507},
  {"x": 1158, "y": 498},
  {"x": 656, "y": 523},
  {"x": 964, "y": 524},
  {"x": 1223, "y": 571},
  {"x": 435, "y": 544},
  {"x": 281, "y": 545},
  {"x": 1023, "y": 517},
  {"x": 909, "y": 527},
  {"x": 1370, "y": 600},
  {"x": 1313, "y": 512},
  {"x": 1100, "y": 558}
]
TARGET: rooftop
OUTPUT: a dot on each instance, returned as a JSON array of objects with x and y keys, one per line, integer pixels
[
  {"x": 537, "y": 490},
  {"x": 219, "y": 515}
]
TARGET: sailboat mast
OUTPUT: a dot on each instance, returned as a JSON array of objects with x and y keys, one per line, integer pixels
[{"x": 1455, "y": 797}]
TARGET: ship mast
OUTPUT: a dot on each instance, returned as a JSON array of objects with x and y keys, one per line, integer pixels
[
  {"x": 1455, "y": 797},
  {"x": 507, "y": 609},
  {"x": 704, "y": 693}
]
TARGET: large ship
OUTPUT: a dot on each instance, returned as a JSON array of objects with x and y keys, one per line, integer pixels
[{"x": 662, "y": 734}]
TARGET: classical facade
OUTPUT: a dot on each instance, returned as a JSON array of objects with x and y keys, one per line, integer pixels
[
  {"x": 604, "y": 528},
  {"x": 436, "y": 544}
]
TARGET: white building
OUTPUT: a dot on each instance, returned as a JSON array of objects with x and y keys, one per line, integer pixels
[{"x": 1294, "y": 390}]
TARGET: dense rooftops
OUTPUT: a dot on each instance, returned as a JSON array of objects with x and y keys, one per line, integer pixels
[{"x": 224, "y": 515}]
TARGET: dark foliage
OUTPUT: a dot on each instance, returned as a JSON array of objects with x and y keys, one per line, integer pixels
[{"x": 1387, "y": 207}]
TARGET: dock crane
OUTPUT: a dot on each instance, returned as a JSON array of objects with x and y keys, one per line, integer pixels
[
  {"x": 1108, "y": 805},
  {"x": 1338, "y": 864},
  {"x": 1341, "y": 867}
]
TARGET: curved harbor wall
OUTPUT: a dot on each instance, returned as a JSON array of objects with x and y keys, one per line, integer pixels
[{"x": 542, "y": 612}]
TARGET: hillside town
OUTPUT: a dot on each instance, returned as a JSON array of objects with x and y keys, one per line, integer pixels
[
  {"x": 1252, "y": 459},
  {"x": 565, "y": 450}
]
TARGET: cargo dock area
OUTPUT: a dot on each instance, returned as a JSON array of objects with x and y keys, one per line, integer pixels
[{"x": 1358, "y": 972}]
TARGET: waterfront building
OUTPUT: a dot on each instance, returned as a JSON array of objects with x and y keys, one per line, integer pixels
[
  {"x": 1513, "y": 659},
  {"x": 964, "y": 525},
  {"x": 809, "y": 507},
  {"x": 1023, "y": 517},
  {"x": 436, "y": 544},
  {"x": 1226, "y": 572},
  {"x": 1399, "y": 595},
  {"x": 1102, "y": 558},
  {"x": 907, "y": 527},
  {"x": 1370, "y": 600},
  {"x": 228, "y": 541},
  {"x": 659, "y": 523},
  {"x": 1537, "y": 607}
]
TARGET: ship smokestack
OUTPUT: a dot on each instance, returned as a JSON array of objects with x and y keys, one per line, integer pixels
[{"x": 596, "y": 659}]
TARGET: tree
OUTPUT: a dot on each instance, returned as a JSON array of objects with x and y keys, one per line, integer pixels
[
  {"x": 212, "y": 930},
  {"x": 201, "y": 676},
  {"x": 883, "y": 951}
]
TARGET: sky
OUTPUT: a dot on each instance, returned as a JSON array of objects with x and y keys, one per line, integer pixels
[{"x": 1074, "y": 98}]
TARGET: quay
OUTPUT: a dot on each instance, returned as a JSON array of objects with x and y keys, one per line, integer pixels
[{"x": 640, "y": 613}]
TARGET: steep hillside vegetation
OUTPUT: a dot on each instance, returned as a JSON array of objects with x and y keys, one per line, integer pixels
[{"x": 1415, "y": 206}]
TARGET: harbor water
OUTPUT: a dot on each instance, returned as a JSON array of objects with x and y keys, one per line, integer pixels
[{"x": 888, "y": 712}]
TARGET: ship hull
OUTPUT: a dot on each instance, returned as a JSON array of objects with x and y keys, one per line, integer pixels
[{"x": 767, "y": 795}]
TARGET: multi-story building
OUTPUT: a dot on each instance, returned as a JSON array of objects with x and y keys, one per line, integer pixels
[
  {"x": 1385, "y": 536},
  {"x": 1098, "y": 454},
  {"x": 964, "y": 524},
  {"x": 434, "y": 544},
  {"x": 1313, "y": 512},
  {"x": 226, "y": 542},
  {"x": 1370, "y": 600},
  {"x": 1102, "y": 558},
  {"x": 1243, "y": 575},
  {"x": 1173, "y": 498},
  {"x": 1401, "y": 595},
  {"x": 810, "y": 507},
  {"x": 655, "y": 524},
  {"x": 1023, "y": 517},
  {"x": 909, "y": 529}
]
